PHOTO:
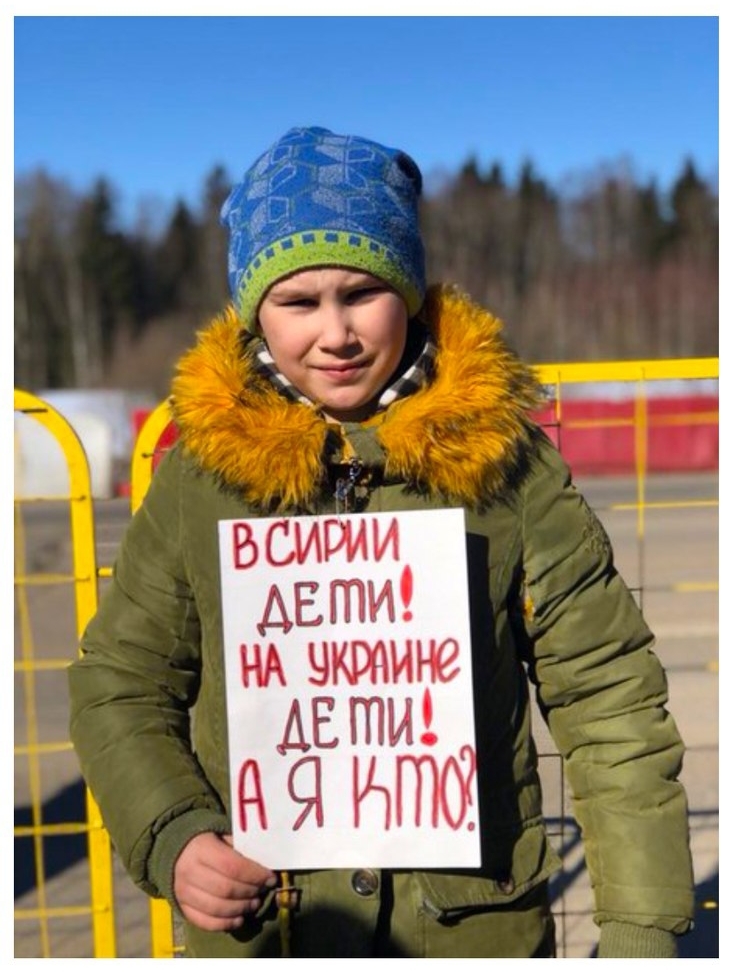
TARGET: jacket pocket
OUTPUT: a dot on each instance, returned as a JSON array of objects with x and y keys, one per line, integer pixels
[{"x": 449, "y": 895}]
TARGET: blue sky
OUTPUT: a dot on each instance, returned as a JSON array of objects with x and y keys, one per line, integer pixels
[{"x": 153, "y": 103}]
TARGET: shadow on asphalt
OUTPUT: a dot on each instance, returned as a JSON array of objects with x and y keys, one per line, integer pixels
[
  {"x": 702, "y": 941},
  {"x": 59, "y": 852}
]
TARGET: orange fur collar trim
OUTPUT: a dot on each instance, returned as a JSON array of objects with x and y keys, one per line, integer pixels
[{"x": 459, "y": 438}]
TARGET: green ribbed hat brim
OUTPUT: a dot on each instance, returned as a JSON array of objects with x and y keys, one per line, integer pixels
[{"x": 321, "y": 248}]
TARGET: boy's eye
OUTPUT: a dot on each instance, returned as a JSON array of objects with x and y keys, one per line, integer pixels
[
  {"x": 361, "y": 293},
  {"x": 299, "y": 302}
]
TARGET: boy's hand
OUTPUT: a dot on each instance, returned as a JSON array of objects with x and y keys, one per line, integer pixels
[{"x": 215, "y": 886}]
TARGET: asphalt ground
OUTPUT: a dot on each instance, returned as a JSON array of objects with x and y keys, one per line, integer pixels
[{"x": 669, "y": 557}]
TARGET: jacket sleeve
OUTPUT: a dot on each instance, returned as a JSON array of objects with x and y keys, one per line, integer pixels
[
  {"x": 603, "y": 694},
  {"x": 131, "y": 691}
]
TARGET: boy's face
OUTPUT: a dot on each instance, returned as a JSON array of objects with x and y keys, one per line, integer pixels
[{"x": 336, "y": 334}]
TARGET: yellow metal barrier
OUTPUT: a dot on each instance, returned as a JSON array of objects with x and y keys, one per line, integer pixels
[
  {"x": 86, "y": 573},
  {"x": 142, "y": 465},
  {"x": 83, "y": 580}
]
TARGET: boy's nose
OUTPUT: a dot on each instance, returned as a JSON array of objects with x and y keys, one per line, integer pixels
[{"x": 336, "y": 327}]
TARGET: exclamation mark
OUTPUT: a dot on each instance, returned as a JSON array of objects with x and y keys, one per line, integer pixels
[
  {"x": 406, "y": 591},
  {"x": 429, "y": 738}
]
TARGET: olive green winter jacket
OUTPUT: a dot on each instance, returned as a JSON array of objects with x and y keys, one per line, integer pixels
[{"x": 547, "y": 606}]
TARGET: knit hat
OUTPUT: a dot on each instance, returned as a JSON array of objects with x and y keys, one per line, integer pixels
[{"x": 317, "y": 199}]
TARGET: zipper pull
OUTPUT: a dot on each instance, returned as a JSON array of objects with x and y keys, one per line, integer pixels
[{"x": 344, "y": 494}]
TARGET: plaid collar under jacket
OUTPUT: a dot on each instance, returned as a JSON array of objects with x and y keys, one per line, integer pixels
[{"x": 414, "y": 371}]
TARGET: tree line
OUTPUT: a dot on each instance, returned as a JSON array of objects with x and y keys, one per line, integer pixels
[{"x": 601, "y": 268}]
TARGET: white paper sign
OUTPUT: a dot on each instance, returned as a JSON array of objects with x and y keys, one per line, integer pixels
[{"x": 349, "y": 690}]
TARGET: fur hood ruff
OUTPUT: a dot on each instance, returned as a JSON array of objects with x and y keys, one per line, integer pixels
[{"x": 459, "y": 438}]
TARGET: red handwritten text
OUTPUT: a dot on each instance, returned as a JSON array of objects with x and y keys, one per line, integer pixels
[
  {"x": 293, "y": 542},
  {"x": 259, "y": 670},
  {"x": 387, "y": 662},
  {"x": 250, "y": 792},
  {"x": 294, "y": 733},
  {"x": 349, "y": 601},
  {"x": 381, "y": 721},
  {"x": 438, "y": 792},
  {"x": 313, "y": 801}
]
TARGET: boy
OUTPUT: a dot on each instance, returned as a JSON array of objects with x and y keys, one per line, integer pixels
[{"x": 337, "y": 382}]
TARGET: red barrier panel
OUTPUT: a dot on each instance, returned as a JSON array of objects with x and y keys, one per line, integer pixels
[
  {"x": 166, "y": 439},
  {"x": 597, "y": 437}
]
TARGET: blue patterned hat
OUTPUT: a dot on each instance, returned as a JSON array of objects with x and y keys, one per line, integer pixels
[{"x": 320, "y": 199}]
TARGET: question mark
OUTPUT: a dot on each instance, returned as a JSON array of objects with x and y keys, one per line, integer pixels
[{"x": 468, "y": 752}]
